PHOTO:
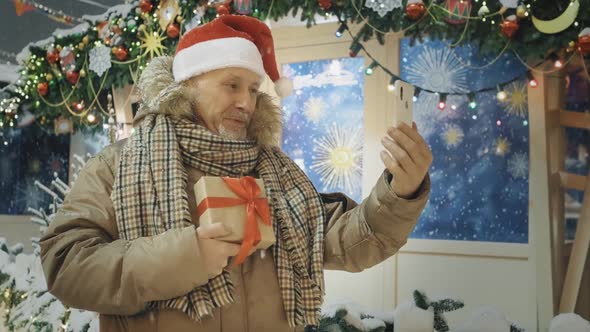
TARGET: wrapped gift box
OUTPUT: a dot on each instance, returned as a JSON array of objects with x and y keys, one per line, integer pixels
[{"x": 221, "y": 202}]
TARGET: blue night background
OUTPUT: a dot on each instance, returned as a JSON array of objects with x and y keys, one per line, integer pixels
[
  {"x": 323, "y": 130},
  {"x": 480, "y": 169}
]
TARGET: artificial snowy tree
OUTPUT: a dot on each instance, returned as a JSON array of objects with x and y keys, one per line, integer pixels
[
  {"x": 28, "y": 304},
  {"x": 421, "y": 315}
]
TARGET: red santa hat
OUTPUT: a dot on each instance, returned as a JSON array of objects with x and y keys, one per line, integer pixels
[{"x": 229, "y": 41}]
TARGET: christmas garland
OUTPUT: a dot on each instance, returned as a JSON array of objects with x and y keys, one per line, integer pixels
[{"x": 65, "y": 79}]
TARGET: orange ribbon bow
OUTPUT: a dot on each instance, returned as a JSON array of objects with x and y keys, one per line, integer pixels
[{"x": 248, "y": 191}]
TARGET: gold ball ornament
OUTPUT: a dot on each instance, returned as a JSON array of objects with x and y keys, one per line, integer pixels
[
  {"x": 86, "y": 40},
  {"x": 48, "y": 76},
  {"x": 179, "y": 19},
  {"x": 81, "y": 46},
  {"x": 520, "y": 11},
  {"x": 82, "y": 73},
  {"x": 571, "y": 46}
]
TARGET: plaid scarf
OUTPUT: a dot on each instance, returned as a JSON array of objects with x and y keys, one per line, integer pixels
[{"x": 150, "y": 197}]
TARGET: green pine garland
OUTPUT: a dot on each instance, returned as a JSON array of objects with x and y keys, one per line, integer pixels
[
  {"x": 439, "y": 307},
  {"x": 91, "y": 91},
  {"x": 329, "y": 323},
  {"x": 339, "y": 323}
]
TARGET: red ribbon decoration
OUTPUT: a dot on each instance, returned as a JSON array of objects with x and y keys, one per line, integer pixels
[{"x": 248, "y": 191}]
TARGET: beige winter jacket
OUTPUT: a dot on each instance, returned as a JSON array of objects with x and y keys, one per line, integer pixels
[{"x": 88, "y": 267}]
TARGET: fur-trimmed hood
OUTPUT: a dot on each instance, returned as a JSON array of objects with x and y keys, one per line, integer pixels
[{"x": 159, "y": 93}]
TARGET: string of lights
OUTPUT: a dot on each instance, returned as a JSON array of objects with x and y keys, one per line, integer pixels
[
  {"x": 56, "y": 15},
  {"x": 358, "y": 46}
]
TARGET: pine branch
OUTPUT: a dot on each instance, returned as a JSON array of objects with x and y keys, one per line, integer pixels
[
  {"x": 420, "y": 300},
  {"x": 440, "y": 324},
  {"x": 446, "y": 305},
  {"x": 514, "y": 328}
]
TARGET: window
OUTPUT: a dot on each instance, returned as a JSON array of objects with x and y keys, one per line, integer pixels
[{"x": 27, "y": 155}]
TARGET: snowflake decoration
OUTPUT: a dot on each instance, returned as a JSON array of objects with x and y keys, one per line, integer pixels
[
  {"x": 502, "y": 146},
  {"x": 453, "y": 136},
  {"x": 100, "y": 59},
  {"x": 438, "y": 69},
  {"x": 382, "y": 7},
  {"x": 314, "y": 110},
  {"x": 518, "y": 165},
  {"x": 517, "y": 99},
  {"x": 338, "y": 159}
]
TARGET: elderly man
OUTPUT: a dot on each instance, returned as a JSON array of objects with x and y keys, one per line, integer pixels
[{"x": 127, "y": 242}]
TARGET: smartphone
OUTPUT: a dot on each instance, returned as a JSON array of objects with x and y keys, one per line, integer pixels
[{"x": 403, "y": 103}]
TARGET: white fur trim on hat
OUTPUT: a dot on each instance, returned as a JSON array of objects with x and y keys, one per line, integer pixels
[
  {"x": 216, "y": 54},
  {"x": 284, "y": 87}
]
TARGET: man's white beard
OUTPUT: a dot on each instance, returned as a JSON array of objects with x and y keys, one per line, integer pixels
[
  {"x": 232, "y": 134},
  {"x": 240, "y": 134}
]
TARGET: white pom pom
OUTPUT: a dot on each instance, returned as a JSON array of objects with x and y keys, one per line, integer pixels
[
  {"x": 408, "y": 317},
  {"x": 284, "y": 87},
  {"x": 485, "y": 319},
  {"x": 569, "y": 322}
]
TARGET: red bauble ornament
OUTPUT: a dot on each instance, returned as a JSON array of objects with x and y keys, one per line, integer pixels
[
  {"x": 173, "y": 30},
  {"x": 325, "y": 4},
  {"x": 116, "y": 30},
  {"x": 43, "y": 88},
  {"x": 146, "y": 6},
  {"x": 52, "y": 56},
  {"x": 415, "y": 10},
  {"x": 584, "y": 44},
  {"x": 222, "y": 10},
  {"x": 121, "y": 53},
  {"x": 72, "y": 76},
  {"x": 509, "y": 28}
]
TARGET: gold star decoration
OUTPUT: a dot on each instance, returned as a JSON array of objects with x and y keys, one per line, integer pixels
[{"x": 151, "y": 43}]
